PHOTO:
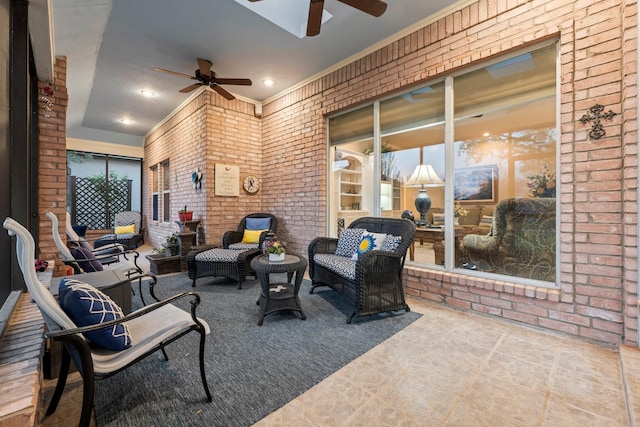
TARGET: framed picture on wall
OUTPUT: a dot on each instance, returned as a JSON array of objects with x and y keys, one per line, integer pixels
[{"x": 477, "y": 184}]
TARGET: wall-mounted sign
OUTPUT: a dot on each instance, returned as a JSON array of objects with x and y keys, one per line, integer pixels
[{"x": 227, "y": 180}]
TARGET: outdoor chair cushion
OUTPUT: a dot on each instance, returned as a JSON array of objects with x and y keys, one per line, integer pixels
[
  {"x": 90, "y": 263},
  {"x": 125, "y": 229},
  {"x": 344, "y": 266},
  {"x": 391, "y": 243},
  {"x": 252, "y": 236},
  {"x": 258, "y": 223},
  {"x": 218, "y": 255},
  {"x": 87, "y": 306},
  {"x": 348, "y": 241},
  {"x": 243, "y": 246},
  {"x": 369, "y": 242}
]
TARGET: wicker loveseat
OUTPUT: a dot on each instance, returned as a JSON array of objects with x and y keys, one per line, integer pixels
[
  {"x": 373, "y": 282},
  {"x": 522, "y": 242}
]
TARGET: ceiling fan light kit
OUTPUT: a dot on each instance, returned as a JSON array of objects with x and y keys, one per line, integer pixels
[{"x": 206, "y": 77}]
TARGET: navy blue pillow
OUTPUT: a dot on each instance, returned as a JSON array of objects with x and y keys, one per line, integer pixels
[
  {"x": 258, "y": 223},
  {"x": 90, "y": 263},
  {"x": 86, "y": 306}
]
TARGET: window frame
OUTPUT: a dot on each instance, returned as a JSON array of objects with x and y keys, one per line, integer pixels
[{"x": 449, "y": 140}]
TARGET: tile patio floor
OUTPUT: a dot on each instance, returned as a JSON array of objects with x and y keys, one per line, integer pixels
[{"x": 452, "y": 368}]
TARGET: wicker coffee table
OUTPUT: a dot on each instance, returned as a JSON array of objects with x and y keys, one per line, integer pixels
[{"x": 279, "y": 296}]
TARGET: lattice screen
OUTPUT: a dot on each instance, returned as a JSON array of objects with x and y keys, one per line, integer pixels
[{"x": 93, "y": 204}]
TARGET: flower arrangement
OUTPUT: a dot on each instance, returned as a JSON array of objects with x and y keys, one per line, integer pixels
[
  {"x": 172, "y": 238},
  {"x": 274, "y": 248},
  {"x": 543, "y": 184},
  {"x": 458, "y": 210}
]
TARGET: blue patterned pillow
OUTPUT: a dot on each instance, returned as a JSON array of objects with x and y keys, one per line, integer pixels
[
  {"x": 86, "y": 259},
  {"x": 348, "y": 241},
  {"x": 391, "y": 243},
  {"x": 258, "y": 223},
  {"x": 86, "y": 306}
]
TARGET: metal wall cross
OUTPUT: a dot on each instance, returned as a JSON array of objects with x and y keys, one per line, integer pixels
[{"x": 597, "y": 131}]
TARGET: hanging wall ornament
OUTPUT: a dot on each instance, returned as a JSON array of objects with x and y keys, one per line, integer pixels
[{"x": 196, "y": 179}]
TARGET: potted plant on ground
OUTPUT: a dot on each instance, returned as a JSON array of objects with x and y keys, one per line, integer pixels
[
  {"x": 171, "y": 244},
  {"x": 185, "y": 215}
]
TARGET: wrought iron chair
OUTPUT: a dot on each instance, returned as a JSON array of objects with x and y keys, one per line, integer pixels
[
  {"x": 130, "y": 240},
  {"x": 152, "y": 327},
  {"x": 105, "y": 255}
]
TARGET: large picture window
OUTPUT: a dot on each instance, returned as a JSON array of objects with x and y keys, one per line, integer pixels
[{"x": 478, "y": 178}]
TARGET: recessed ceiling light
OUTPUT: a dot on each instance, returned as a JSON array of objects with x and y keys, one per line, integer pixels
[
  {"x": 486, "y": 134},
  {"x": 148, "y": 93},
  {"x": 126, "y": 121},
  {"x": 267, "y": 82}
]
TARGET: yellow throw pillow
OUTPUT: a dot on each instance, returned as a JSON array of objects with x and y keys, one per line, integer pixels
[
  {"x": 126, "y": 229},
  {"x": 252, "y": 236}
]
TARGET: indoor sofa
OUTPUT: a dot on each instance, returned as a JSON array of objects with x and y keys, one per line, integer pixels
[{"x": 371, "y": 281}]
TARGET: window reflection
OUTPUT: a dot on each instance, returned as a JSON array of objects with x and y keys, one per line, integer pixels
[{"x": 504, "y": 162}]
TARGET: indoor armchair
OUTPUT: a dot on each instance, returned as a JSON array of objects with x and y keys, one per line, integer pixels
[{"x": 522, "y": 241}]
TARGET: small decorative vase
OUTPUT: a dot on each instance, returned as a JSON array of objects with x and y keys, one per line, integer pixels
[
  {"x": 456, "y": 220},
  {"x": 276, "y": 257}
]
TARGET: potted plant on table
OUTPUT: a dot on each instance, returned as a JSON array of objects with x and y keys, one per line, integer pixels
[
  {"x": 275, "y": 251},
  {"x": 185, "y": 215}
]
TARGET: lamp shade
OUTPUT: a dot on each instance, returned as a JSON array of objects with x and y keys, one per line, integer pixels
[{"x": 424, "y": 175}]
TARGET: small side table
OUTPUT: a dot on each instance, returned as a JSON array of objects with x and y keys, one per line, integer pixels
[{"x": 279, "y": 296}]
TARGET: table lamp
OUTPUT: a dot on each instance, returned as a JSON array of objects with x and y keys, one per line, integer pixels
[{"x": 423, "y": 176}]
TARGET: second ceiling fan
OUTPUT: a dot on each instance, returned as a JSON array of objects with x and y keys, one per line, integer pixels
[{"x": 372, "y": 7}]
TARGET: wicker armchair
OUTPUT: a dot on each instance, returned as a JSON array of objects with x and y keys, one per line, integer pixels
[
  {"x": 233, "y": 239},
  {"x": 376, "y": 286},
  {"x": 130, "y": 240}
]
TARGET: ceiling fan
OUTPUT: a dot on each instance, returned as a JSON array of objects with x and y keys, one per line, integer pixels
[
  {"x": 372, "y": 7},
  {"x": 206, "y": 77}
]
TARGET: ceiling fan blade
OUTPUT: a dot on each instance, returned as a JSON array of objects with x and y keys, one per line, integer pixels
[
  {"x": 315, "y": 17},
  {"x": 223, "y": 92},
  {"x": 190, "y": 88},
  {"x": 175, "y": 73},
  {"x": 205, "y": 67},
  {"x": 372, "y": 7},
  {"x": 243, "y": 82}
]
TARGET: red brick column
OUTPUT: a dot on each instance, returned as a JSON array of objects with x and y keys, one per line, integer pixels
[{"x": 52, "y": 163}]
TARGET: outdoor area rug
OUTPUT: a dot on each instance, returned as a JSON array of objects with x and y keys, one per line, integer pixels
[{"x": 252, "y": 370}]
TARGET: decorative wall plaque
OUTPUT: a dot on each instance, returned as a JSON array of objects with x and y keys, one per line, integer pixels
[{"x": 227, "y": 180}]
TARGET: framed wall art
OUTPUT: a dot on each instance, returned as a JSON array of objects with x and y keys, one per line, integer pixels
[{"x": 477, "y": 184}]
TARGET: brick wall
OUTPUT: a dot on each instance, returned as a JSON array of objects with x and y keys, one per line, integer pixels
[
  {"x": 207, "y": 131},
  {"x": 52, "y": 164},
  {"x": 598, "y": 178}
]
